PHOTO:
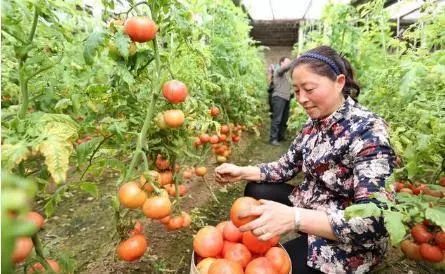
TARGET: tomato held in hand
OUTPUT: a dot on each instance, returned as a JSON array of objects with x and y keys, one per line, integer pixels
[
  {"x": 256, "y": 245},
  {"x": 241, "y": 204}
]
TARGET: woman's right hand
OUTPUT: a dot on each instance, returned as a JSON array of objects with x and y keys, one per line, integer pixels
[{"x": 228, "y": 173}]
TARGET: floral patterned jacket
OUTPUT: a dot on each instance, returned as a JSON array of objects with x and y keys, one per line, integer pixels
[{"x": 345, "y": 158}]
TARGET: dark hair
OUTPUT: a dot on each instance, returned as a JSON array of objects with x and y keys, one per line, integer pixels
[{"x": 322, "y": 68}]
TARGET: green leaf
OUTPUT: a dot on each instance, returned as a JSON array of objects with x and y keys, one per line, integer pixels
[
  {"x": 394, "y": 225},
  {"x": 90, "y": 188},
  {"x": 14, "y": 154},
  {"x": 122, "y": 43},
  {"x": 94, "y": 41},
  {"x": 436, "y": 215},
  {"x": 63, "y": 104},
  {"x": 362, "y": 210}
]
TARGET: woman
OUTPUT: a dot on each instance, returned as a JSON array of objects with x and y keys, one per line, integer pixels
[{"x": 345, "y": 155}]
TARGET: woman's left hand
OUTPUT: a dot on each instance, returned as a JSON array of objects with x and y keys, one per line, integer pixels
[{"x": 274, "y": 219}]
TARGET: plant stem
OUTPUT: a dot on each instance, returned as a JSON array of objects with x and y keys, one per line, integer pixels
[
  {"x": 210, "y": 189},
  {"x": 39, "y": 251},
  {"x": 34, "y": 25}
]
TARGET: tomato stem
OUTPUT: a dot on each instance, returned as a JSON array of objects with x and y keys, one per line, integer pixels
[
  {"x": 210, "y": 189},
  {"x": 39, "y": 251}
]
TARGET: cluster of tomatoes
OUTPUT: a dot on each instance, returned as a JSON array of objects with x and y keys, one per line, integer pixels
[
  {"x": 419, "y": 188},
  {"x": 23, "y": 246},
  {"x": 428, "y": 244},
  {"x": 225, "y": 249},
  {"x": 221, "y": 143}
]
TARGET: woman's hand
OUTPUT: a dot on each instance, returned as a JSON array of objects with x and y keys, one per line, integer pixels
[
  {"x": 274, "y": 219},
  {"x": 228, "y": 173}
]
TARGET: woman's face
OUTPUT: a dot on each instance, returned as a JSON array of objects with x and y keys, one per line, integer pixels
[{"x": 318, "y": 95}]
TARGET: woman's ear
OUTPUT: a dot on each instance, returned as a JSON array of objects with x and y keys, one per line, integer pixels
[{"x": 340, "y": 82}]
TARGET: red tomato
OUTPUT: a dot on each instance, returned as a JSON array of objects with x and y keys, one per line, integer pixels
[
  {"x": 223, "y": 266},
  {"x": 406, "y": 190},
  {"x": 214, "y": 111},
  {"x": 140, "y": 29},
  {"x": 186, "y": 174},
  {"x": 138, "y": 228},
  {"x": 260, "y": 265},
  {"x": 238, "y": 253},
  {"x": 208, "y": 242},
  {"x": 214, "y": 139},
  {"x": 439, "y": 238},
  {"x": 224, "y": 129},
  {"x": 221, "y": 226},
  {"x": 165, "y": 178},
  {"x": 442, "y": 181},
  {"x": 222, "y": 137},
  {"x": 232, "y": 233},
  {"x": 256, "y": 245},
  {"x": 174, "y": 118},
  {"x": 200, "y": 171},
  {"x": 175, "y": 222},
  {"x": 411, "y": 250},
  {"x": 226, "y": 246},
  {"x": 157, "y": 207},
  {"x": 22, "y": 248},
  {"x": 36, "y": 218},
  {"x": 421, "y": 234},
  {"x": 431, "y": 253},
  {"x": 279, "y": 259},
  {"x": 131, "y": 195},
  {"x": 187, "y": 220},
  {"x": 175, "y": 91},
  {"x": 133, "y": 248},
  {"x": 165, "y": 220},
  {"x": 38, "y": 267},
  {"x": 242, "y": 204},
  {"x": 162, "y": 163},
  {"x": 204, "y": 138},
  {"x": 204, "y": 265}
]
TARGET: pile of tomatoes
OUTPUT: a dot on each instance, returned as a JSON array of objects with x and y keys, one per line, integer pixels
[
  {"x": 419, "y": 188},
  {"x": 225, "y": 249},
  {"x": 427, "y": 244}
]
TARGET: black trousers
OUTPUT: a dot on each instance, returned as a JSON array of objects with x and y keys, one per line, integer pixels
[
  {"x": 297, "y": 248},
  {"x": 280, "y": 115}
]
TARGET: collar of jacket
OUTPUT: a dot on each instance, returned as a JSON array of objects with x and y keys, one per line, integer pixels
[{"x": 340, "y": 113}]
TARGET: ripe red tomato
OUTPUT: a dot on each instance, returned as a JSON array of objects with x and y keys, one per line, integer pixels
[
  {"x": 411, "y": 250},
  {"x": 238, "y": 253},
  {"x": 279, "y": 259},
  {"x": 235, "y": 138},
  {"x": 38, "y": 267},
  {"x": 224, "y": 129},
  {"x": 442, "y": 181},
  {"x": 165, "y": 178},
  {"x": 214, "y": 139},
  {"x": 131, "y": 195},
  {"x": 242, "y": 204},
  {"x": 221, "y": 226},
  {"x": 232, "y": 233},
  {"x": 398, "y": 186},
  {"x": 140, "y": 29},
  {"x": 133, "y": 248},
  {"x": 175, "y": 222},
  {"x": 214, "y": 111},
  {"x": 431, "y": 253},
  {"x": 256, "y": 245},
  {"x": 439, "y": 238},
  {"x": 162, "y": 163},
  {"x": 204, "y": 265},
  {"x": 200, "y": 171},
  {"x": 406, "y": 190},
  {"x": 174, "y": 91},
  {"x": 165, "y": 220},
  {"x": 187, "y": 220},
  {"x": 36, "y": 218},
  {"x": 226, "y": 246},
  {"x": 204, "y": 138},
  {"x": 260, "y": 265},
  {"x": 22, "y": 248},
  {"x": 222, "y": 138},
  {"x": 174, "y": 118},
  {"x": 208, "y": 242},
  {"x": 223, "y": 266},
  {"x": 138, "y": 228},
  {"x": 421, "y": 234},
  {"x": 157, "y": 207}
]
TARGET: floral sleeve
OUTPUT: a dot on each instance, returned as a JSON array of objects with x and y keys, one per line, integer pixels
[
  {"x": 373, "y": 163},
  {"x": 286, "y": 167}
]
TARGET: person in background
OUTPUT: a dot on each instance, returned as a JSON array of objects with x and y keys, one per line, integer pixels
[
  {"x": 270, "y": 71},
  {"x": 280, "y": 101},
  {"x": 345, "y": 155}
]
